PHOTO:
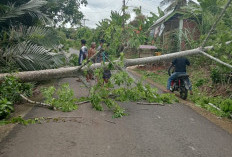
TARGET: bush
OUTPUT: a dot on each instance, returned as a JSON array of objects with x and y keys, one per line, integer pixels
[
  {"x": 215, "y": 75},
  {"x": 73, "y": 60},
  {"x": 10, "y": 90},
  {"x": 226, "y": 105},
  {"x": 220, "y": 75},
  {"x": 6, "y": 108}
]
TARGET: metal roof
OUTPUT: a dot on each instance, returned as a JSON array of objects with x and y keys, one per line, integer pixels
[
  {"x": 165, "y": 18},
  {"x": 147, "y": 47}
]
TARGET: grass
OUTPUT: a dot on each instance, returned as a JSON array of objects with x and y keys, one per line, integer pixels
[{"x": 161, "y": 76}]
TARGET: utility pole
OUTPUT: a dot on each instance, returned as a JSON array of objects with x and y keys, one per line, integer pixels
[
  {"x": 84, "y": 21},
  {"x": 123, "y": 12}
]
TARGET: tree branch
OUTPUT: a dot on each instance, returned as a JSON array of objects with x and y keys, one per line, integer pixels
[
  {"x": 215, "y": 23},
  {"x": 145, "y": 103},
  {"x": 34, "y": 102},
  {"x": 83, "y": 102},
  {"x": 217, "y": 60}
]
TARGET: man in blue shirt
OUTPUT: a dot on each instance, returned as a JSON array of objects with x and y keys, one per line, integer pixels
[{"x": 180, "y": 68}]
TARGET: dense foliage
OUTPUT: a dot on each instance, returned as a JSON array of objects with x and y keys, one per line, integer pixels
[
  {"x": 10, "y": 90},
  {"x": 60, "y": 11},
  {"x": 28, "y": 41}
]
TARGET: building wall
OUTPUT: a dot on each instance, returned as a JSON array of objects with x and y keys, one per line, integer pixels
[
  {"x": 170, "y": 34},
  {"x": 170, "y": 37},
  {"x": 190, "y": 28}
]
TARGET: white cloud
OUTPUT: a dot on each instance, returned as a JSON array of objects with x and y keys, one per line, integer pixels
[{"x": 96, "y": 10}]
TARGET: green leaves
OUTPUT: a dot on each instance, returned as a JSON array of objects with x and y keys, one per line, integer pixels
[
  {"x": 10, "y": 89},
  {"x": 65, "y": 100},
  {"x": 20, "y": 120},
  {"x": 6, "y": 107},
  {"x": 121, "y": 88},
  {"x": 29, "y": 56},
  {"x": 31, "y": 7},
  {"x": 64, "y": 11}
]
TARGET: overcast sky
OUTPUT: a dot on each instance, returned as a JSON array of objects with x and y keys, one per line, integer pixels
[{"x": 96, "y": 10}]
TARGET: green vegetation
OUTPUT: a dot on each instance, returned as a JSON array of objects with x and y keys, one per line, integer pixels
[
  {"x": 160, "y": 76},
  {"x": 20, "y": 120},
  {"x": 65, "y": 100},
  {"x": 122, "y": 88},
  {"x": 10, "y": 90},
  {"x": 205, "y": 89},
  {"x": 6, "y": 108},
  {"x": 25, "y": 41}
]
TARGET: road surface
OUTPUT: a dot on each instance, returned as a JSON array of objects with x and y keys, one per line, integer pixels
[{"x": 173, "y": 130}]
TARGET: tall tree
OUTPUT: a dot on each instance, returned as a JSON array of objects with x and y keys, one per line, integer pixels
[
  {"x": 64, "y": 11},
  {"x": 61, "y": 11}
]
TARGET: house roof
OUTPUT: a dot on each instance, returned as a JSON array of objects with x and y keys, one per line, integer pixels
[
  {"x": 147, "y": 47},
  {"x": 165, "y": 18}
]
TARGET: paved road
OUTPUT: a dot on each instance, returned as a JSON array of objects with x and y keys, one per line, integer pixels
[{"x": 148, "y": 131}]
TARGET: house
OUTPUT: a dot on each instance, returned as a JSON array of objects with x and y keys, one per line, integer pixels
[
  {"x": 175, "y": 31},
  {"x": 146, "y": 51}
]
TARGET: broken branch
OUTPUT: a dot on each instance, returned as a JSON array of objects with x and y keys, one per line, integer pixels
[
  {"x": 34, "y": 102},
  {"x": 145, "y": 103}
]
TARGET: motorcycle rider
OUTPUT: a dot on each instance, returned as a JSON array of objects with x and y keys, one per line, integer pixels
[{"x": 180, "y": 68}]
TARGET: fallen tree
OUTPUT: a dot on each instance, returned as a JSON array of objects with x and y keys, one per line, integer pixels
[
  {"x": 29, "y": 76},
  {"x": 75, "y": 71}
]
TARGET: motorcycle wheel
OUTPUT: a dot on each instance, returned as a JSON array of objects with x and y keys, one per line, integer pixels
[{"x": 183, "y": 93}]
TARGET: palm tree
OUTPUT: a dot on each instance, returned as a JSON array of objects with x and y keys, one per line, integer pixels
[
  {"x": 26, "y": 47},
  {"x": 32, "y": 7}
]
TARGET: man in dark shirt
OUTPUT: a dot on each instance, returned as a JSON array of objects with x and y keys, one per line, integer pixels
[{"x": 180, "y": 68}]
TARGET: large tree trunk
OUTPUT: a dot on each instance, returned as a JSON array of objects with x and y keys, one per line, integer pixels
[
  {"x": 146, "y": 60},
  {"x": 48, "y": 74},
  {"x": 40, "y": 75}
]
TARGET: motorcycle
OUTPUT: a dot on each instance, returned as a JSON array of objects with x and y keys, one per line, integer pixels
[{"x": 180, "y": 83}]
